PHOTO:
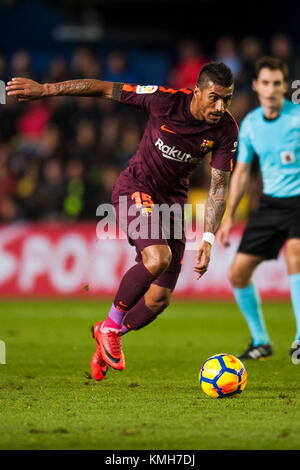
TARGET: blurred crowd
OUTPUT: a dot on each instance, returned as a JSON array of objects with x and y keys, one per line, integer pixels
[{"x": 60, "y": 157}]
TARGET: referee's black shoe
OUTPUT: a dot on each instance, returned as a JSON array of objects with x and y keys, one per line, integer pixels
[
  {"x": 295, "y": 352},
  {"x": 257, "y": 352}
]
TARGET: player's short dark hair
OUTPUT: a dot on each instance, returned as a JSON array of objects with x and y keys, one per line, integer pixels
[
  {"x": 216, "y": 72},
  {"x": 272, "y": 63}
]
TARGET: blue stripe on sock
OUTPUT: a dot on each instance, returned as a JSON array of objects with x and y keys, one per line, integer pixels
[{"x": 249, "y": 303}]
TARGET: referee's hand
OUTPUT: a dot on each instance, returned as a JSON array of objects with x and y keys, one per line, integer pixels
[{"x": 224, "y": 232}]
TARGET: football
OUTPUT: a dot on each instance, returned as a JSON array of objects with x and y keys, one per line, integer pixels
[{"x": 222, "y": 376}]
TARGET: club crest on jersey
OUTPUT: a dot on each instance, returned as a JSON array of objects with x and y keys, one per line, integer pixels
[
  {"x": 143, "y": 89},
  {"x": 206, "y": 145}
]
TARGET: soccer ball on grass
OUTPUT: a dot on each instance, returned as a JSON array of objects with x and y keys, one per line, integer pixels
[{"x": 222, "y": 376}]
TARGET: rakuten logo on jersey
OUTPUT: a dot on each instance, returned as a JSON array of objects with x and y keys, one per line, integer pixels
[{"x": 174, "y": 154}]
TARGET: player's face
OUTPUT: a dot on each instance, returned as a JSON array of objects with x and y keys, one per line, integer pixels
[
  {"x": 211, "y": 103},
  {"x": 270, "y": 87}
]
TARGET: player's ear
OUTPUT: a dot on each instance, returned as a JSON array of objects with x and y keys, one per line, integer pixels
[
  {"x": 197, "y": 90},
  {"x": 254, "y": 85}
]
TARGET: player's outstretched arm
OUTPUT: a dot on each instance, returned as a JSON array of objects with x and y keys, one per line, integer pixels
[
  {"x": 25, "y": 89},
  {"x": 214, "y": 211},
  {"x": 238, "y": 185}
]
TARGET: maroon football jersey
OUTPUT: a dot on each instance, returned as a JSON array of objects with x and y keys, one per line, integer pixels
[{"x": 173, "y": 145}]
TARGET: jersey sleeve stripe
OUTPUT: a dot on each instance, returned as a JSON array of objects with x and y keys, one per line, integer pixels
[
  {"x": 127, "y": 87},
  {"x": 172, "y": 90},
  {"x": 233, "y": 119}
]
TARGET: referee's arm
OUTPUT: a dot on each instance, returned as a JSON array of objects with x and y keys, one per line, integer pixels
[{"x": 237, "y": 188}]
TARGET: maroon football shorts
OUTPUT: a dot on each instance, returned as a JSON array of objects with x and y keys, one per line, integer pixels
[{"x": 151, "y": 229}]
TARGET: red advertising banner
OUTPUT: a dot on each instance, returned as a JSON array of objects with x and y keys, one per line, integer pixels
[{"x": 67, "y": 260}]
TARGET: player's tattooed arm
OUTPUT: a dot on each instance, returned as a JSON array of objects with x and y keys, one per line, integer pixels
[
  {"x": 116, "y": 91},
  {"x": 27, "y": 90},
  {"x": 88, "y": 87},
  {"x": 214, "y": 210},
  {"x": 216, "y": 201}
]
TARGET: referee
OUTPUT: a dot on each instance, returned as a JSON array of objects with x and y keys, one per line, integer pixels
[{"x": 272, "y": 132}]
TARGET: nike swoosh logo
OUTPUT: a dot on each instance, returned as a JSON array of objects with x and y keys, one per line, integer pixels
[
  {"x": 113, "y": 359},
  {"x": 231, "y": 359},
  {"x": 163, "y": 127}
]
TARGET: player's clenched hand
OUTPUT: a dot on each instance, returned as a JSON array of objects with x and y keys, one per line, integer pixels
[
  {"x": 224, "y": 231},
  {"x": 24, "y": 89},
  {"x": 202, "y": 258}
]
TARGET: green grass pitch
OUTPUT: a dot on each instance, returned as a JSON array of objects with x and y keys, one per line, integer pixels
[{"x": 48, "y": 401}]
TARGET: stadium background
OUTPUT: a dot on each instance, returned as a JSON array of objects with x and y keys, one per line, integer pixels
[{"x": 59, "y": 158}]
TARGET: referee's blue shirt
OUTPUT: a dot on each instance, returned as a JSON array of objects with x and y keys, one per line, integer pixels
[{"x": 277, "y": 145}]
